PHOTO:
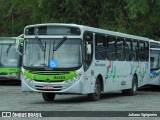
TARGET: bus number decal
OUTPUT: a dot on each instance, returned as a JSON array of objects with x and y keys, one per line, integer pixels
[{"x": 59, "y": 77}]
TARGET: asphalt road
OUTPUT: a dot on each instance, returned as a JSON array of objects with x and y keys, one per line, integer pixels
[{"x": 12, "y": 99}]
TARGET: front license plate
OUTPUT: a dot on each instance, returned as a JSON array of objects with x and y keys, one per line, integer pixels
[{"x": 48, "y": 87}]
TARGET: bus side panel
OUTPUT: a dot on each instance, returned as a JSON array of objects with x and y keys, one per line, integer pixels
[
  {"x": 130, "y": 70},
  {"x": 143, "y": 73},
  {"x": 121, "y": 73},
  {"x": 89, "y": 80},
  {"x": 113, "y": 75}
]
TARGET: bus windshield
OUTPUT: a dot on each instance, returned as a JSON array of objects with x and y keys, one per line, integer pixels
[
  {"x": 67, "y": 55},
  {"x": 8, "y": 55}
]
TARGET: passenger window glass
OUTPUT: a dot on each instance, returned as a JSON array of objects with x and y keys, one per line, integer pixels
[
  {"x": 100, "y": 48},
  {"x": 120, "y": 49},
  {"x": 111, "y": 48},
  {"x": 128, "y": 49},
  {"x": 87, "y": 44}
]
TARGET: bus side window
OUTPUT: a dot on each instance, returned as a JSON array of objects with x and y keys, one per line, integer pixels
[
  {"x": 147, "y": 51},
  {"x": 142, "y": 51},
  {"x": 87, "y": 41},
  {"x": 100, "y": 50},
  {"x": 135, "y": 48},
  {"x": 111, "y": 48},
  {"x": 128, "y": 49},
  {"x": 120, "y": 49}
]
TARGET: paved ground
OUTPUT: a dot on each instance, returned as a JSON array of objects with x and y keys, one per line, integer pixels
[{"x": 12, "y": 99}]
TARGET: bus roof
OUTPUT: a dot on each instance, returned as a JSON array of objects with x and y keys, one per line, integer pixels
[
  {"x": 6, "y": 38},
  {"x": 93, "y": 29},
  {"x": 154, "y": 41},
  {"x": 154, "y": 48}
]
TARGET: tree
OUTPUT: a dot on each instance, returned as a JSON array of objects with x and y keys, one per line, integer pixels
[{"x": 128, "y": 16}]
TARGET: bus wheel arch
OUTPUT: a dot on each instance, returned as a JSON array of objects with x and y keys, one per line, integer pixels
[
  {"x": 98, "y": 88},
  {"x": 136, "y": 76},
  {"x": 133, "y": 90},
  {"x": 100, "y": 78}
]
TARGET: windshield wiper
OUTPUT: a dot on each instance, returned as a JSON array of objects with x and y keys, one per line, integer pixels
[
  {"x": 43, "y": 48},
  {"x": 9, "y": 47},
  {"x": 40, "y": 44},
  {"x": 59, "y": 44}
]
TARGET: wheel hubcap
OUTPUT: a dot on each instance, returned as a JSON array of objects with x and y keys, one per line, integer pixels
[
  {"x": 135, "y": 87},
  {"x": 97, "y": 89}
]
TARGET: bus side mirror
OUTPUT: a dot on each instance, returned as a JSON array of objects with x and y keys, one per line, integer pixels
[
  {"x": 19, "y": 44},
  {"x": 88, "y": 48},
  {"x": 19, "y": 50}
]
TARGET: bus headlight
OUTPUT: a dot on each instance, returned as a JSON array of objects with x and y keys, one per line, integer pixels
[
  {"x": 26, "y": 79},
  {"x": 78, "y": 76},
  {"x": 73, "y": 80}
]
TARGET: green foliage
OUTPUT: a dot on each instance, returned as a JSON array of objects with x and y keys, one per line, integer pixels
[{"x": 130, "y": 16}]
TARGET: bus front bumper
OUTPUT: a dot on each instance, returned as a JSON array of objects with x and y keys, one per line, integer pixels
[
  {"x": 9, "y": 77},
  {"x": 67, "y": 86}
]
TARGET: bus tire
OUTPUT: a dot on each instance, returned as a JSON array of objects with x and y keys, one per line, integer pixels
[
  {"x": 133, "y": 90},
  {"x": 97, "y": 94},
  {"x": 48, "y": 96}
]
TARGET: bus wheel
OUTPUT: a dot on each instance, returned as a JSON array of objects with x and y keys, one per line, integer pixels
[
  {"x": 48, "y": 96},
  {"x": 96, "y": 95},
  {"x": 134, "y": 88}
]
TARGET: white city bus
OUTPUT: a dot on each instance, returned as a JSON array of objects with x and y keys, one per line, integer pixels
[
  {"x": 154, "y": 63},
  {"x": 77, "y": 59}
]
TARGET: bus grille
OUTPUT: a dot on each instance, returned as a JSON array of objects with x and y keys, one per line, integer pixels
[
  {"x": 50, "y": 72},
  {"x": 48, "y": 81}
]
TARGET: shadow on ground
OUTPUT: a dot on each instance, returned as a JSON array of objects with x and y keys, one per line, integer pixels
[
  {"x": 81, "y": 98},
  {"x": 154, "y": 88},
  {"x": 10, "y": 82}
]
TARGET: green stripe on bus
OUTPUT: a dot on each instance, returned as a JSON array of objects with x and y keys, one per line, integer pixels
[
  {"x": 9, "y": 70},
  {"x": 39, "y": 75}
]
